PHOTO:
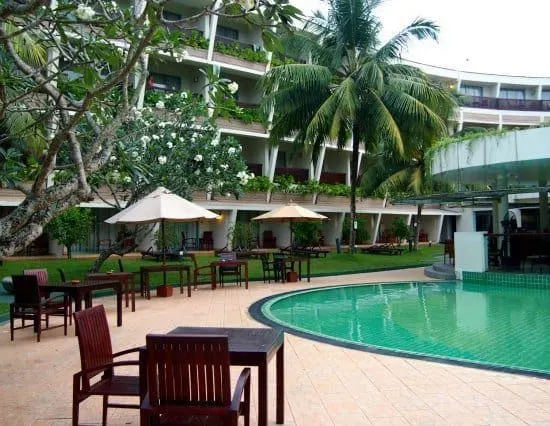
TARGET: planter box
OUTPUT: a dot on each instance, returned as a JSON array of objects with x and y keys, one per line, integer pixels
[
  {"x": 165, "y": 291},
  {"x": 335, "y": 200},
  {"x": 291, "y": 277},
  {"x": 284, "y": 198}
]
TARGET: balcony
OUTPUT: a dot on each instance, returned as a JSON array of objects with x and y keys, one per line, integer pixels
[
  {"x": 506, "y": 104},
  {"x": 329, "y": 177},
  {"x": 234, "y": 52},
  {"x": 299, "y": 175}
]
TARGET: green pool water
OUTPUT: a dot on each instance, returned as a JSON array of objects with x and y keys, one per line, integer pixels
[{"x": 486, "y": 324}]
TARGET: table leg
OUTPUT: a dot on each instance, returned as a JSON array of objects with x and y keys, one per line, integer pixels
[
  {"x": 133, "y": 290},
  {"x": 283, "y": 268},
  {"x": 147, "y": 286},
  {"x": 308, "y": 269},
  {"x": 188, "y": 282},
  {"x": 213, "y": 278},
  {"x": 88, "y": 299},
  {"x": 77, "y": 302},
  {"x": 119, "y": 306},
  {"x": 246, "y": 276},
  {"x": 262, "y": 393},
  {"x": 126, "y": 291},
  {"x": 300, "y": 270},
  {"x": 280, "y": 365},
  {"x": 141, "y": 283},
  {"x": 181, "y": 280}
]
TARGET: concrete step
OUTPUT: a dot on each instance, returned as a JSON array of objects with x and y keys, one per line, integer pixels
[
  {"x": 444, "y": 267},
  {"x": 429, "y": 271}
]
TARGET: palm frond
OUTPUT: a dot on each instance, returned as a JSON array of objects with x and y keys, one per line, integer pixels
[{"x": 420, "y": 29}]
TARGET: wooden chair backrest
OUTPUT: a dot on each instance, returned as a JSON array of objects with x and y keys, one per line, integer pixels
[
  {"x": 26, "y": 289},
  {"x": 207, "y": 236},
  {"x": 191, "y": 257},
  {"x": 41, "y": 274},
  {"x": 188, "y": 370},
  {"x": 228, "y": 255},
  {"x": 94, "y": 339},
  {"x": 62, "y": 275},
  {"x": 449, "y": 247}
]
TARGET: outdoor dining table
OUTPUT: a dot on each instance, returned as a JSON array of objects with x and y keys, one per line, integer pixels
[
  {"x": 294, "y": 259},
  {"x": 82, "y": 291},
  {"x": 247, "y": 347},
  {"x": 126, "y": 278},
  {"x": 144, "y": 272},
  {"x": 229, "y": 263}
]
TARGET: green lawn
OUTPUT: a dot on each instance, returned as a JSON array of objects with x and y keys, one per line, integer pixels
[{"x": 333, "y": 264}]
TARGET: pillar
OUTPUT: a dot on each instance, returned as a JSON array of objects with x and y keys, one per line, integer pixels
[
  {"x": 376, "y": 228},
  {"x": 213, "y": 28},
  {"x": 231, "y": 220},
  {"x": 502, "y": 211},
  {"x": 439, "y": 228}
]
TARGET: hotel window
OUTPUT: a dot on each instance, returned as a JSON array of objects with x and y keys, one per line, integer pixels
[
  {"x": 227, "y": 32},
  {"x": 545, "y": 95},
  {"x": 472, "y": 90},
  {"x": 512, "y": 94},
  {"x": 166, "y": 83}
]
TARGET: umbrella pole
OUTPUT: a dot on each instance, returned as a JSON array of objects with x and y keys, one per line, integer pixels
[{"x": 163, "y": 252}]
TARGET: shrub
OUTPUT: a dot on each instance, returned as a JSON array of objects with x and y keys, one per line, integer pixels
[{"x": 362, "y": 234}]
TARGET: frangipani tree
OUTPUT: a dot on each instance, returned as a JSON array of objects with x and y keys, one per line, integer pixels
[{"x": 81, "y": 96}]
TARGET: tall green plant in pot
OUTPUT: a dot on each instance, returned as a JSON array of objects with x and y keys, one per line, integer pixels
[
  {"x": 400, "y": 229},
  {"x": 243, "y": 236}
]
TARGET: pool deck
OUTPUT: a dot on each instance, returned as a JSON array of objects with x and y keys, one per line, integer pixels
[{"x": 325, "y": 384}]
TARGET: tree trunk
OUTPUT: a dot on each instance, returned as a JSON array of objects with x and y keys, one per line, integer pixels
[
  {"x": 418, "y": 222},
  {"x": 69, "y": 252},
  {"x": 353, "y": 182},
  {"x": 26, "y": 223}
]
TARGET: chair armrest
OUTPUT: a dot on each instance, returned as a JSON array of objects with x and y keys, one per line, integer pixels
[
  {"x": 104, "y": 367},
  {"x": 126, "y": 351},
  {"x": 203, "y": 268},
  {"x": 244, "y": 378}
]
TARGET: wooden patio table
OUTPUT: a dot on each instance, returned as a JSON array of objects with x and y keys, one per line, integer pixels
[
  {"x": 253, "y": 347},
  {"x": 144, "y": 272},
  {"x": 127, "y": 280},
  {"x": 238, "y": 263},
  {"x": 299, "y": 260},
  {"x": 83, "y": 291}
]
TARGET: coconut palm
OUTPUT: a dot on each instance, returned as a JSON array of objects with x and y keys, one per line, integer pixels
[{"x": 356, "y": 91}]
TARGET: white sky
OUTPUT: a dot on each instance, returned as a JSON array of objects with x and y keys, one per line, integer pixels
[{"x": 490, "y": 36}]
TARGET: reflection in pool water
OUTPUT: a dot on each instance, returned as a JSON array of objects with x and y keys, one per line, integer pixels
[{"x": 476, "y": 322}]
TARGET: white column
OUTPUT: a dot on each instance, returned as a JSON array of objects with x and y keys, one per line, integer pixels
[
  {"x": 499, "y": 121},
  {"x": 320, "y": 162},
  {"x": 339, "y": 226},
  {"x": 213, "y": 28},
  {"x": 460, "y": 123},
  {"x": 376, "y": 228},
  {"x": 409, "y": 219},
  {"x": 539, "y": 92},
  {"x": 311, "y": 170},
  {"x": 502, "y": 211},
  {"x": 273, "y": 161},
  {"x": 498, "y": 91},
  {"x": 439, "y": 228}
]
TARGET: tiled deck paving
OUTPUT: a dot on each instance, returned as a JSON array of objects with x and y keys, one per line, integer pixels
[{"x": 325, "y": 385}]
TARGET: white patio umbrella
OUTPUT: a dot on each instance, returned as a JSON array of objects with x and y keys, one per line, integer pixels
[
  {"x": 292, "y": 213},
  {"x": 162, "y": 206}
]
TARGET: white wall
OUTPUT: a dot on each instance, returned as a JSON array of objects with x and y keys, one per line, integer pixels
[{"x": 470, "y": 252}]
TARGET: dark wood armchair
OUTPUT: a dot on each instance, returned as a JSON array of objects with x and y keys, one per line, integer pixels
[
  {"x": 207, "y": 241},
  {"x": 28, "y": 304},
  {"x": 269, "y": 241},
  {"x": 270, "y": 269},
  {"x": 97, "y": 358},
  {"x": 201, "y": 274},
  {"x": 230, "y": 270},
  {"x": 449, "y": 250},
  {"x": 176, "y": 397}
]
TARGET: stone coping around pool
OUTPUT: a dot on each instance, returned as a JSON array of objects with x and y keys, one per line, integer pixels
[
  {"x": 512, "y": 279},
  {"x": 255, "y": 312}
]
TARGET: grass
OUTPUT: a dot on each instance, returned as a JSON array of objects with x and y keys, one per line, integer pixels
[{"x": 333, "y": 264}]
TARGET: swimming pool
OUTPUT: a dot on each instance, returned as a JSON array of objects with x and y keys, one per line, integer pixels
[{"x": 480, "y": 324}]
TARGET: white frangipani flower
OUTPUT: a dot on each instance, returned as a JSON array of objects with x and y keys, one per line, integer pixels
[
  {"x": 84, "y": 12},
  {"x": 160, "y": 105},
  {"x": 215, "y": 142},
  {"x": 113, "y": 158},
  {"x": 198, "y": 157},
  {"x": 231, "y": 150},
  {"x": 127, "y": 179},
  {"x": 170, "y": 145},
  {"x": 156, "y": 137},
  {"x": 162, "y": 159},
  {"x": 173, "y": 135},
  {"x": 233, "y": 87}
]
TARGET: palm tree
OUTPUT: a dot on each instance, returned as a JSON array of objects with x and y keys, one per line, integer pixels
[{"x": 355, "y": 90}]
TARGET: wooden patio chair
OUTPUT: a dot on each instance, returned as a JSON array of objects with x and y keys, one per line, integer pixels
[
  {"x": 201, "y": 274},
  {"x": 270, "y": 269},
  {"x": 234, "y": 270},
  {"x": 97, "y": 358},
  {"x": 176, "y": 397},
  {"x": 28, "y": 304}
]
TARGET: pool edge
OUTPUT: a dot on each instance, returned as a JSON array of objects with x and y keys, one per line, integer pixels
[{"x": 255, "y": 311}]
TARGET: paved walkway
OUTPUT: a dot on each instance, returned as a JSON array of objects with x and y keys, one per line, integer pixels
[{"x": 325, "y": 385}]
